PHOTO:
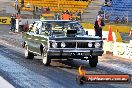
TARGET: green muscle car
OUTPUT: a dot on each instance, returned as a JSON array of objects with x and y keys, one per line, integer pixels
[{"x": 61, "y": 39}]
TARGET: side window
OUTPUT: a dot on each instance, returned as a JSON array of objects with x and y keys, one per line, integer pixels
[
  {"x": 48, "y": 27},
  {"x": 39, "y": 28},
  {"x": 33, "y": 29},
  {"x": 43, "y": 27}
]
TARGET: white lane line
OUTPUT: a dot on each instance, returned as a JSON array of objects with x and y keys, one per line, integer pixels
[
  {"x": 5, "y": 84},
  {"x": 118, "y": 67}
]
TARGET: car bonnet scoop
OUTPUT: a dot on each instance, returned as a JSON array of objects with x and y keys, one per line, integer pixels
[{"x": 71, "y": 33}]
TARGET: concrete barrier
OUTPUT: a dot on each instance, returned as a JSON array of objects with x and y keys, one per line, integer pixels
[{"x": 119, "y": 49}]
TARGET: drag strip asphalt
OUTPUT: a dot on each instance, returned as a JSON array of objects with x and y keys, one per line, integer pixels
[{"x": 26, "y": 73}]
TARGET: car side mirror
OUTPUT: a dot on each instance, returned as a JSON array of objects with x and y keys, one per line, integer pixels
[{"x": 86, "y": 32}]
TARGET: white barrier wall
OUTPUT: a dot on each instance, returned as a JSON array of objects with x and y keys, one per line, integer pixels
[{"x": 119, "y": 49}]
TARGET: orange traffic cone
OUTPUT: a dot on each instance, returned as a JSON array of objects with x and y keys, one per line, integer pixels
[
  {"x": 110, "y": 37},
  {"x": 130, "y": 34}
]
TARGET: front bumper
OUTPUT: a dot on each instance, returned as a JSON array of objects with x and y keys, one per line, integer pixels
[{"x": 75, "y": 52}]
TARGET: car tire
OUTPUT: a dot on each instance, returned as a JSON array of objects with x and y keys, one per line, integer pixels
[
  {"x": 93, "y": 61},
  {"x": 45, "y": 59},
  {"x": 28, "y": 55}
]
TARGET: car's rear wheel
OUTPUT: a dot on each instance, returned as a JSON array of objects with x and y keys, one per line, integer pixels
[
  {"x": 28, "y": 55},
  {"x": 46, "y": 60},
  {"x": 93, "y": 61}
]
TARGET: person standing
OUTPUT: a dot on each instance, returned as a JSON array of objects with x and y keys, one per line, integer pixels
[
  {"x": 19, "y": 11},
  {"x": 79, "y": 14},
  {"x": 16, "y": 4},
  {"x": 123, "y": 20},
  {"x": 117, "y": 20},
  {"x": 99, "y": 23},
  {"x": 13, "y": 23}
]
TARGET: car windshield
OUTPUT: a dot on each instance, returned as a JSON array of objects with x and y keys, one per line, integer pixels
[{"x": 61, "y": 27}]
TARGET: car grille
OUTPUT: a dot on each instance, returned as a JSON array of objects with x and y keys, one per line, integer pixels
[
  {"x": 70, "y": 44},
  {"x": 82, "y": 45}
]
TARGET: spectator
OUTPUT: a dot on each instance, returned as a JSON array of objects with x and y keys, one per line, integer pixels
[
  {"x": 99, "y": 23},
  {"x": 107, "y": 3},
  {"x": 70, "y": 13},
  {"x": 126, "y": 19},
  {"x": 22, "y": 3},
  {"x": 37, "y": 9},
  {"x": 21, "y": 26},
  {"x": 57, "y": 16},
  {"x": 34, "y": 12},
  {"x": 79, "y": 14},
  {"x": 47, "y": 9},
  {"x": 28, "y": 5},
  {"x": 62, "y": 12},
  {"x": 123, "y": 20},
  {"x": 19, "y": 11},
  {"x": 67, "y": 12},
  {"x": 16, "y": 4},
  {"x": 116, "y": 20},
  {"x": 34, "y": 8},
  {"x": 41, "y": 9},
  {"x": 13, "y": 22}
]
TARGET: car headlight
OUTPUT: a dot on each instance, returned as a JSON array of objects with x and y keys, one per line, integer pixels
[
  {"x": 63, "y": 45},
  {"x": 90, "y": 44},
  {"x": 54, "y": 45},
  {"x": 97, "y": 45}
]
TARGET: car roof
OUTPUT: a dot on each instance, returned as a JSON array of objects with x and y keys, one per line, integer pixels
[{"x": 58, "y": 21}]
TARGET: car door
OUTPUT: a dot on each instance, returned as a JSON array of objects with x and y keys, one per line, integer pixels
[
  {"x": 27, "y": 37},
  {"x": 33, "y": 43},
  {"x": 40, "y": 38},
  {"x": 30, "y": 38}
]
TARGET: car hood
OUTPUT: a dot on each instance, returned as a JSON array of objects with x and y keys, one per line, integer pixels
[{"x": 78, "y": 37}]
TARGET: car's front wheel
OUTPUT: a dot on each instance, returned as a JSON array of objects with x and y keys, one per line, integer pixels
[
  {"x": 93, "y": 61},
  {"x": 46, "y": 60},
  {"x": 28, "y": 55}
]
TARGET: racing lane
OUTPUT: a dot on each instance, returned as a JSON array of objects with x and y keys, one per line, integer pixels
[{"x": 24, "y": 73}]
